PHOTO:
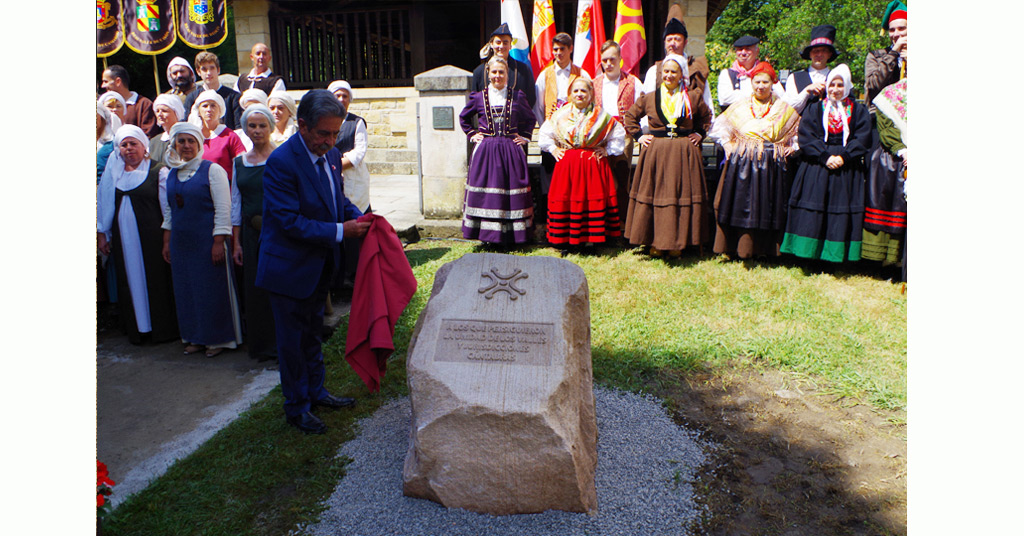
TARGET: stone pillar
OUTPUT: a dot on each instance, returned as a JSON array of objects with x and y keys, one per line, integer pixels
[
  {"x": 251, "y": 26},
  {"x": 443, "y": 146}
]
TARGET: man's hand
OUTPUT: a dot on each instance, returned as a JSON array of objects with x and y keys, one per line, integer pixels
[
  {"x": 355, "y": 229},
  {"x": 817, "y": 88},
  {"x": 236, "y": 254},
  {"x": 901, "y": 46}
]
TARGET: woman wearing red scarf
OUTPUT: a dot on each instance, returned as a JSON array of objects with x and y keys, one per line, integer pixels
[
  {"x": 826, "y": 206},
  {"x": 752, "y": 194}
]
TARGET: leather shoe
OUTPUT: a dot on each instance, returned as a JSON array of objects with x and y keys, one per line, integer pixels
[
  {"x": 331, "y": 401},
  {"x": 307, "y": 422}
]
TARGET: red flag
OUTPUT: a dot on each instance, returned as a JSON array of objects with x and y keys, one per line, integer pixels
[
  {"x": 630, "y": 35},
  {"x": 586, "y": 52},
  {"x": 543, "y": 31}
]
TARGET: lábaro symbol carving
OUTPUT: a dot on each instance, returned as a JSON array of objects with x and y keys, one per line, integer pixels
[{"x": 506, "y": 283}]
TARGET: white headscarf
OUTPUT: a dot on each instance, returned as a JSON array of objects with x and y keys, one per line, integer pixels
[
  {"x": 104, "y": 98},
  {"x": 111, "y": 124},
  {"x": 257, "y": 108},
  {"x": 208, "y": 95},
  {"x": 289, "y": 103},
  {"x": 841, "y": 71},
  {"x": 341, "y": 84},
  {"x": 178, "y": 61},
  {"x": 253, "y": 94},
  {"x": 171, "y": 157},
  {"x": 130, "y": 131},
  {"x": 683, "y": 68},
  {"x": 172, "y": 102}
]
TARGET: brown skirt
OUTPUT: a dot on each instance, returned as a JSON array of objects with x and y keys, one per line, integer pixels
[{"x": 668, "y": 206}]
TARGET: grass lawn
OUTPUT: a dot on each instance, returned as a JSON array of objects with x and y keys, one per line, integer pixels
[{"x": 652, "y": 320}]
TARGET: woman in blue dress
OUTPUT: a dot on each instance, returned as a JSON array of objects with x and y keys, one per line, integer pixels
[{"x": 197, "y": 238}]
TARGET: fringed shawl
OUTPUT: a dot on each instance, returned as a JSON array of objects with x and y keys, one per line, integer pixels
[
  {"x": 581, "y": 129},
  {"x": 738, "y": 130},
  {"x": 892, "y": 102}
]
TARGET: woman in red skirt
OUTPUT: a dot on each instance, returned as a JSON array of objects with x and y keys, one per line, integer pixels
[{"x": 582, "y": 207}]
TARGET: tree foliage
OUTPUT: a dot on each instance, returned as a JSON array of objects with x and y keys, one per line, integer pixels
[{"x": 784, "y": 28}]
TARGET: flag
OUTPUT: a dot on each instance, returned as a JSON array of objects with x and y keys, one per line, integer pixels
[
  {"x": 512, "y": 15},
  {"x": 109, "y": 28},
  {"x": 543, "y": 31},
  {"x": 202, "y": 24},
  {"x": 586, "y": 48},
  {"x": 148, "y": 25},
  {"x": 630, "y": 35}
]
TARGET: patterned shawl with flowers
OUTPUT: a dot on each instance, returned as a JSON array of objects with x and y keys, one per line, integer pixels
[
  {"x": 892, "y": 102},
  {"x": 743, "y": 127},
  {"x": 580, "y": 129}
]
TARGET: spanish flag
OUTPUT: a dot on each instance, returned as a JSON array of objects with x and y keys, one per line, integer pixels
[
  {"x": 630, "y": 35},
  {"x": 543, "y": 31}
]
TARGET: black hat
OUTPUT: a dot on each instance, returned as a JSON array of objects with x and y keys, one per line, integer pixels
[
  {"x": 746, "y": 41},
  {"x": 675, "y": 26},
  {"x": 821, "y": 36},
  {"x": 502, "y": 30}
]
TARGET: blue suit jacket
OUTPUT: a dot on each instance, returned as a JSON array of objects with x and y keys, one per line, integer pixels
[{"x": 298, "y": 232}]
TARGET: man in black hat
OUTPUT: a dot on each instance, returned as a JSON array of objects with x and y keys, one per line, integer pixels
[
  {"x": 675, "y": 37},
  {"x": 806, "y": 85},
  {"x": 733, "y": 83},
  {"x": 520, "y": 76}
]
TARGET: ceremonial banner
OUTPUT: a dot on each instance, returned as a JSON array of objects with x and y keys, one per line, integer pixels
[
  {"x": 109, "y": 28},
  {"x": 586, "y": 48},
  {"x": 149, "y": 25},
  {"x": 202, "y": 24},
  {"x": 512, "y": 15},
  {"x": 630, "y": 35},
  {"x": 543, "y": 31}
]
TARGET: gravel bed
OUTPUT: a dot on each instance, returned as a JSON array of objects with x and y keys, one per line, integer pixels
[{"x": 645, "y": 467}]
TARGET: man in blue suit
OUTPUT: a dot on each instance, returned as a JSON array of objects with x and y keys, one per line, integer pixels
[{"x": 305, "y": 216}]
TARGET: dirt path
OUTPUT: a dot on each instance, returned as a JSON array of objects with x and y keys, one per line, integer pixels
[{"x": 792, "y": 461}]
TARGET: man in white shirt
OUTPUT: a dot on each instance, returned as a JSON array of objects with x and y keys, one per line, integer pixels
[
  {"x": 733, "y": 83},
  {"x": 675, "y": 37},
  {"x": 806, "y": 85},
  {"x": 553, "y": 82},
  {"x": 616, "y": 92},
  {"x": 260, "y": 76}
]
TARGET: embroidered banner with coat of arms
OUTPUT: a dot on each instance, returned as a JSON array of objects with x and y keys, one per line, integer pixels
[
  {"x": 109, "y": 28},
  {"x": 202, "y": 24},
  {"x": 149, "y": 25}
]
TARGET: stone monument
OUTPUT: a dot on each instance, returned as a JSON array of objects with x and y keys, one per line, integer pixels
[
  {"x": 444, "y": 149},
  {"x": 501, "y": 385}
]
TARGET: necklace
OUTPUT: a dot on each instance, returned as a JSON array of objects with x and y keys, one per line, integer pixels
[{"x": 767, "y": 107}]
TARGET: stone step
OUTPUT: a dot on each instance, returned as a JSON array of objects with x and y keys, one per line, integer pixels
[
  {"x": 390, "y": 155},
  {"x": 392, "y": 168}
]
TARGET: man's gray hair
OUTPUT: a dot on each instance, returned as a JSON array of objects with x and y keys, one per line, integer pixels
[{"x": 317, "y": 104}]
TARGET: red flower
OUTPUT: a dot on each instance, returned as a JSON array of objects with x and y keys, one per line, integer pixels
[
  {"x": 102, "y": 478},
  {"x": 99, "y": 500}
]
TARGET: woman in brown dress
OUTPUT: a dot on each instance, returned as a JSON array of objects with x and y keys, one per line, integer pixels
[{"x": 669, "y": 208}]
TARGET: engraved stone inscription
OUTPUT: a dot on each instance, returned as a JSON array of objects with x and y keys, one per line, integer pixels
[{"x": 495, "y": 341}]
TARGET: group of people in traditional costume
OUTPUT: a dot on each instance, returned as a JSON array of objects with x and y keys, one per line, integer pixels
[
  {"x": 807, "y": 170},
  {"x": 179, "y": 210}
]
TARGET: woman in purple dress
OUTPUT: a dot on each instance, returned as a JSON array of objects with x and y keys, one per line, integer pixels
[{"x": 498, "y": 205}]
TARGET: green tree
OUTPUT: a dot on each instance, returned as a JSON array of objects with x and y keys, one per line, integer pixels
[{"x": 784, "y": 27}]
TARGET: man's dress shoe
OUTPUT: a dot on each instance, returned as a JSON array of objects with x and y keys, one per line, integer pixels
[
  {"x": 331, "y": 401},
  {"x": 308, "y": 423}
]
